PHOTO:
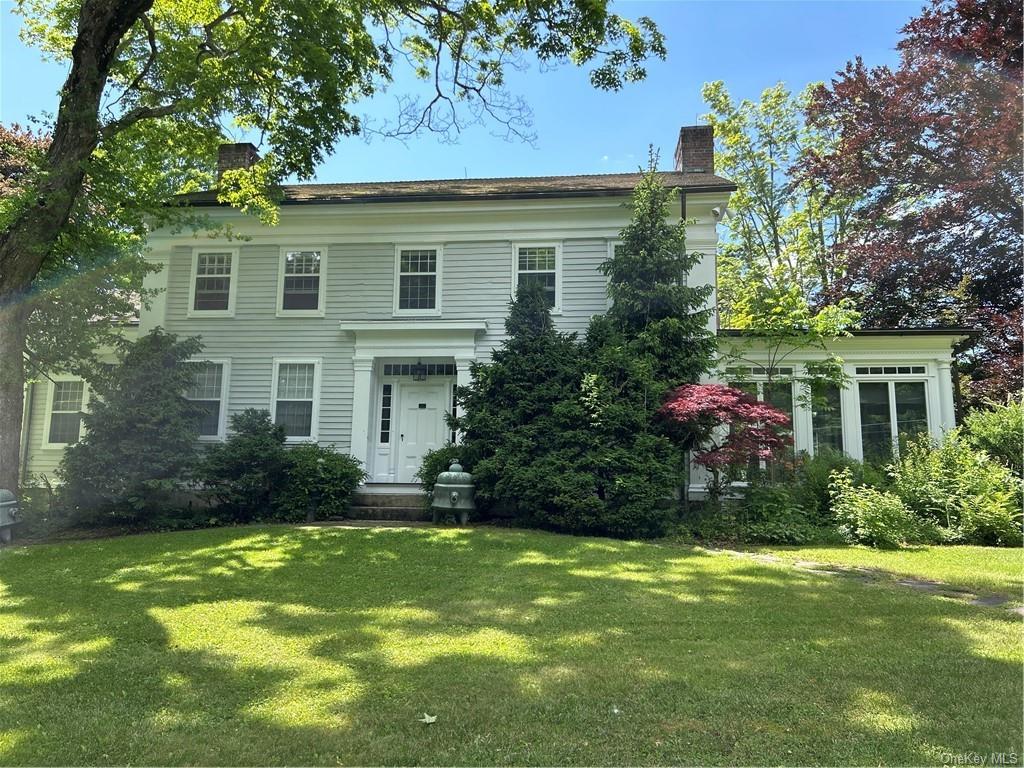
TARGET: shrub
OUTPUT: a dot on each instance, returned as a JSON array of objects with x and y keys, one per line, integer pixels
[
  {"x": 773, "y": 514},
  {"x": 318, "y": 480},
  {"x": 245, "y": 474},
  {"x": 813, "y": 478},
  {"x": 999, "y": 432},
  {"x": 877, "y": 518},
  {"x": 140, "y": 435},
  {"x": 976, "y": 499}
]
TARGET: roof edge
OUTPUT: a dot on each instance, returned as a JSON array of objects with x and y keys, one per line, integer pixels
[{"x": 897, "y": 331}]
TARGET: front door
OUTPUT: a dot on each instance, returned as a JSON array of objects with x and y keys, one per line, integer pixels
[{"x": 421, "y": 426}]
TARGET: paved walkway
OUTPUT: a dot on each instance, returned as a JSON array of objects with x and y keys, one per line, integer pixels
[{"x": 875, "y": 575}]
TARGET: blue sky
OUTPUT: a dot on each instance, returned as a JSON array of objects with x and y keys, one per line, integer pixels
[{"x": 749, "y": 45}]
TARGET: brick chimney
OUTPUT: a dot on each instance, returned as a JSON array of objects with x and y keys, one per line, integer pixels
[
  {"x": 695, "y": 152},
  {"x": 231, "y": 157}
]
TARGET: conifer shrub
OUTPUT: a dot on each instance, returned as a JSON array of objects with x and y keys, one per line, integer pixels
[{"x": 139, "y": 438}]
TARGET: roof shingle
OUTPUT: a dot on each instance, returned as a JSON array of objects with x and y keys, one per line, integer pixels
[{"x": 522, "y": 187}]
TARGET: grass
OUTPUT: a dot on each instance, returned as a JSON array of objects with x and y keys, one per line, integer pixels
[
  {"x": 275, "y": 645},
  {"x": 987, "y": 569}
]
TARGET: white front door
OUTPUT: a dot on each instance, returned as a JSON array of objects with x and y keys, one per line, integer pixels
[{"x": 421, "y": 426}]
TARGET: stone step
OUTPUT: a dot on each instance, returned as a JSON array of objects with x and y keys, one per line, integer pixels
[
  {"x": 414, "y": 499},
  {"x": 367, "y": 512}
]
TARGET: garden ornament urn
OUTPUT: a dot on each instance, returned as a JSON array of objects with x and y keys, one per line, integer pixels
[{"x": 453, "y": 492}]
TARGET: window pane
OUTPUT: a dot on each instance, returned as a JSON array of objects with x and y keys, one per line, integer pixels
[
  {"x": 209, "y": 422},
  {"x": 206, "y": 382},
  {"x": 780, "y": 395},
  {"x": 827, "y": 417},
  {"x": 875, "y": 428},
  {"x": 296, "y": 416},
  {"x": 295, "y": 381},
  {"x": 911, "y": 408},
  {"x": 418, "y": 261},
  {"x": 536, "y": 259},
  {"x": 213, "y": 281},
  {"x": 417, "y": 291},
  {"x": 301, "y": 292},
  {"x": 212, "y": 293},
  {"x": 302, "y": 263},
  {"x": 67, "y": 395},
  {"x": 213, "y": 264},
  {"x": 65, "y": 427},
  {"x": 546, "y": 280}
]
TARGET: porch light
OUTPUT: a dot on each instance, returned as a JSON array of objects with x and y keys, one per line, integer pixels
[{"x": 419, "y": 371}]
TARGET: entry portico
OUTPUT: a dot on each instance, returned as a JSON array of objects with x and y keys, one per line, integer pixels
[{"x": 404, "y": 374}]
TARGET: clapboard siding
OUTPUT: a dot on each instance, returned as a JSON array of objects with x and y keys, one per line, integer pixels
[{"x": 476, "y": 283}]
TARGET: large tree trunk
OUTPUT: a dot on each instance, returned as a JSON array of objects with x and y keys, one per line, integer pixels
[
  {"x": 25, "y": 244},
  {"x": 12, "y": 392}
]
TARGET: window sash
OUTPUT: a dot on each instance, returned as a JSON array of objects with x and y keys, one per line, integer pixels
[
  {"x": 417, "y": 279},
  {"x": 207, "y": 393},
  {"x": 66, "y": 412},
  {"x": 212, "y": 289},
  {"x": 295, "y": 396},
  {"x": 826, "y": 417},
  {"x": 890, "y": 410},
  {"x": 300, "y": 285},
  {"x": 538, "y": 265}
]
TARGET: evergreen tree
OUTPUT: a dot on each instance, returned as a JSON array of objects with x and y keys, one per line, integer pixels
[
  {"x": 140, "y": 433},
  {"x": 656, "y": 310}
]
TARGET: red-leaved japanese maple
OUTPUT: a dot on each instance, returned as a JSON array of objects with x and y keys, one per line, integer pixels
[{"x": 727, "y": 428}]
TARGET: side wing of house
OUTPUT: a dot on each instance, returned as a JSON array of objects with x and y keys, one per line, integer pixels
[{"x": 52, "y": 419}]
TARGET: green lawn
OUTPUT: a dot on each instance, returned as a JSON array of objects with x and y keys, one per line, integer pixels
[
  {"x": 987, "y": 569},
  {"x": 274, "y": 645}
]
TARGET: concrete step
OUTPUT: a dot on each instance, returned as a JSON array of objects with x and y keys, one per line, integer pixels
[
  {"x": 367, "y": 512},
  {"x": 412, "y": 499}
]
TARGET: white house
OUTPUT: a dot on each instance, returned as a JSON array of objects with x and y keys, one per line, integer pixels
[{"x": 354, "y": 318}]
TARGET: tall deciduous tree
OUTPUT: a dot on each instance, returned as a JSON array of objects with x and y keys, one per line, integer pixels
[
  {"x": 151, "y": 85},
  {"x": 935, "y": 145},
  {"x": 782, "y": 255}
]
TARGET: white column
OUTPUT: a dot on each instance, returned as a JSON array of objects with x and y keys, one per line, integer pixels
[
  {"x": 947, "y": 411},
  {"x": 462, "y": 379},
  {"x": 362, "y": 370}
]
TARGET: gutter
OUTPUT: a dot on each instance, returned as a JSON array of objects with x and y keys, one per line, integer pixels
[{"x": 448, "y": 197}]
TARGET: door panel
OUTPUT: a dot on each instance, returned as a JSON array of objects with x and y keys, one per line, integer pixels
[{"x": 421, "y": 425}]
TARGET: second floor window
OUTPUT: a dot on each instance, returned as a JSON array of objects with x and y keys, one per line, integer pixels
[
  {"x": 213, "y": 277},
  {"x": 417, "y": 281},
  {"x": 301, "y": 281},
  {"x": 538, "y": 265}
]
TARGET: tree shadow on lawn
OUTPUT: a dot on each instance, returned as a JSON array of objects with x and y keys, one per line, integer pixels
[{"x": 314, "y": 646}]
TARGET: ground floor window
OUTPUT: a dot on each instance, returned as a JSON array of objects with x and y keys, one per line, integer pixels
[
  {"x": 65, "y": 414},
  {"x": 207, "y": 392},
  {"x": 890, "y": 410},
  {"x": 295, "y": 397},
  {"x": 826, "y": 417}
]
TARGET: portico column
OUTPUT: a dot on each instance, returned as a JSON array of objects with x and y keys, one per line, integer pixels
[
  {"x": 362, "y": 369},
  {"x": 947, "y": 411},
  {"x": 462, "y": 379}
]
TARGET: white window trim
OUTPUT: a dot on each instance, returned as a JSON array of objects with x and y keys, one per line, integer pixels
[
  {"x": 225, "y": 387},
  {"x": 319, "y": 311},
  {"x": 436, "y": 311},
  {"x": 557, "y": 309},
  {"x": 232, "y": 287},
  {"x": 892, "y": 380},
  {"x": 315, "y": 419},
  {"x": 51, "y": 391}
]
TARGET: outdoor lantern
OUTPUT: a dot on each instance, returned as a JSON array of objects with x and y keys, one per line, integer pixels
[{"x": 419, "y": 371}]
